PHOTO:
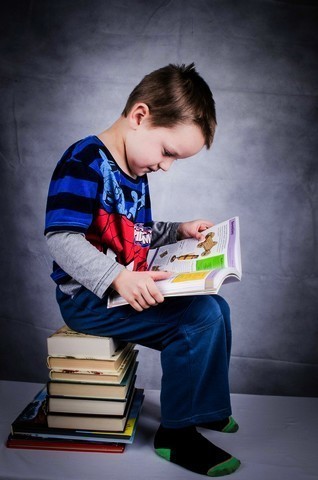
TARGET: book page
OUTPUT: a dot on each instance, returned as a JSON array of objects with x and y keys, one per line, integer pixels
[
  {"x": 190, "y": 255},
  {"x": 198, "y": 267}
]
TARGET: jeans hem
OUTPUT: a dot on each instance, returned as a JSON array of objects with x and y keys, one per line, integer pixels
[{"x": 197, "y": 419}]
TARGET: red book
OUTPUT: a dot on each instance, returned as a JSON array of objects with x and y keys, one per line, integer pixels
[{"x": 64, "y": 445}]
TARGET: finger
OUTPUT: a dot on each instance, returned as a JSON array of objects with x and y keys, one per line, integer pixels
[
  {"x": 205, "y": 225},
  {"x": 135, "y": 305},
  {"x": 149, "y": 295},
  {"x": 140, "y": 304},
  {"x": 200, "y": 237},
  {"x": 142, "y": 301},
  {"x": 159, "y": 275},
  {"x": 147, "y": 299},
  {"x": 155, "y": 293},
  {"x": 137, "y": 302}
]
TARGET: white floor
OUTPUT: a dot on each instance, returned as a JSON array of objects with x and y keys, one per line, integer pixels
[{"x": 277, "y": 440}]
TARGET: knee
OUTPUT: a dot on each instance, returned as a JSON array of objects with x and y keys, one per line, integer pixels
[
  {"x": 224, "y": 306},
  {"x": 204, "y": 310},
  {"x": 225, "y": 309}
]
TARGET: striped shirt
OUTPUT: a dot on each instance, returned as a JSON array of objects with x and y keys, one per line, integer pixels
[{"x": 90, "y": 194}]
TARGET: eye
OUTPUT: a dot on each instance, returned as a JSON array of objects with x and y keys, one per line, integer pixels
[{"x": 166, "y": 153}]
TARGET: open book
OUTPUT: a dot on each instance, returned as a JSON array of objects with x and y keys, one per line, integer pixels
[{"x": 198, "y": 267}]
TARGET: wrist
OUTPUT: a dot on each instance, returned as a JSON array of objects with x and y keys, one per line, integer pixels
[
  {"x": 119, "y": 278},
  {"x": 179, "y": 232}
]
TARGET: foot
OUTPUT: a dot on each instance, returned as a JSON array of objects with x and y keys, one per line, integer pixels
[
  {"x": 189, "y": 449},
  {"x": 228, "y": 425}
]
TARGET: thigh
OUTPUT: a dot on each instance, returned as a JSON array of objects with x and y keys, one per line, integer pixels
[
  {"x": 86, "y": 313},
  {"x": 155, "y": 327}
]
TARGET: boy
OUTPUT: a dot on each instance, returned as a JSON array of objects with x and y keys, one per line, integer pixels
[{"x": 99, "y": 227}]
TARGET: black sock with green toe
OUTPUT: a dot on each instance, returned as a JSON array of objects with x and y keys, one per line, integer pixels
[
  {"x": 228, "y": 425},
  {"x": 189, "y": 449}
]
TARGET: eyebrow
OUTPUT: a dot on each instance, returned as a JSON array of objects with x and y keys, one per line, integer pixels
[{"x": 172, "y": 151}]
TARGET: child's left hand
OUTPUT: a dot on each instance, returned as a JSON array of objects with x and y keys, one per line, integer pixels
[{"x": 193, "y": 229}]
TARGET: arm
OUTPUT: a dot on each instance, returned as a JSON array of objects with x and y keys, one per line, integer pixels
[
  {"x": 193, "y": 229},
  {"x": 164, "y": 233},
  {"x": 97, "y": 272},
  {"x": 82, "y": 261},
  {"x": 139, "y": 288}
]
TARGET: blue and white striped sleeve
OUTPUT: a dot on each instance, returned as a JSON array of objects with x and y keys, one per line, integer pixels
[{"x": 72, "y": 197}]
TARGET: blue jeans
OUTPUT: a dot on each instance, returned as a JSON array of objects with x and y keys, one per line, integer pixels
[{"x": 193, "y": 335}]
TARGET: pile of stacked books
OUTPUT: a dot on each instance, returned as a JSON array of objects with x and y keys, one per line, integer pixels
[{"x": 90, "y": 402}]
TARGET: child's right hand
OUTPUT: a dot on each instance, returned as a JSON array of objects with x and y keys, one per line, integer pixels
[{"x": 139, "y": 288}]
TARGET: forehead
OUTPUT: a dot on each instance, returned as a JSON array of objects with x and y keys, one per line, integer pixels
[{"x": 184, "y": 140}]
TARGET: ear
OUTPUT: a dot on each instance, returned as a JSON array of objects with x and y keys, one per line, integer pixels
[{"x": 138, "y": 114}]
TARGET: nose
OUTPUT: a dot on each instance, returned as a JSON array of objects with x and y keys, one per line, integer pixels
[{"x": 166, "y": 164}]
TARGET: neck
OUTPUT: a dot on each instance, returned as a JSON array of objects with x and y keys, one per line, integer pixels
[{"x": 114, "y": 139}]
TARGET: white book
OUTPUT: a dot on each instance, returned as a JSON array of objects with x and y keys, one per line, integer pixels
[
  {"x": 67, "y": 342},
  {"x": 197, "y": 267}
]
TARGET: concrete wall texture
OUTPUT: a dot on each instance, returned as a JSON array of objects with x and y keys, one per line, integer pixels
[{"x": 67, "y": 68}]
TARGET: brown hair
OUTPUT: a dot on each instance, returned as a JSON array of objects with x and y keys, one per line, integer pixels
[{"x": 176, "y": 94}]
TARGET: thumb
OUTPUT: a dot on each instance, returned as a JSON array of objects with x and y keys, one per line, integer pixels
[
  {"x": 200, "y": 237},
  {"x": 159, "y": 275}
]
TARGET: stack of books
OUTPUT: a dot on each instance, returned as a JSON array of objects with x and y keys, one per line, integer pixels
[{"x": 90, "y": 402}]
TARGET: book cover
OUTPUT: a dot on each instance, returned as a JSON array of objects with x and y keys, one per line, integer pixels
[
  {"x": 67, "y": 342},
  {"x": 32, "y": 443},
  {"x": 32, "y": 422}
]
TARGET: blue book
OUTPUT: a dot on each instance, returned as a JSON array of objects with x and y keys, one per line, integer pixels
[{"x": 32, "y": 422}]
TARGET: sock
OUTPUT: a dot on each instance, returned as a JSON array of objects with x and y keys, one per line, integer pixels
[
  {"x": 189, "y": 449},
  {"x": 228, "y": 425}
]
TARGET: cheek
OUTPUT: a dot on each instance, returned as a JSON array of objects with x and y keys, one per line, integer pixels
[
  {"x": 131, "y": 148},
  {"x": 141, "y": 153}
]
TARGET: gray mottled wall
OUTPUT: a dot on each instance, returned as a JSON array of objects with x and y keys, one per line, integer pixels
[{"x": 67, "y": 68}]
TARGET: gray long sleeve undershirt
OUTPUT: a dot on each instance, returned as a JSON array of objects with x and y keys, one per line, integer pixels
[{"x": 88, "y": 266}]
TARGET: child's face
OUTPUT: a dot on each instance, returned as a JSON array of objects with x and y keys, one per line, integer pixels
[{"x": 149, "y": 149}]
